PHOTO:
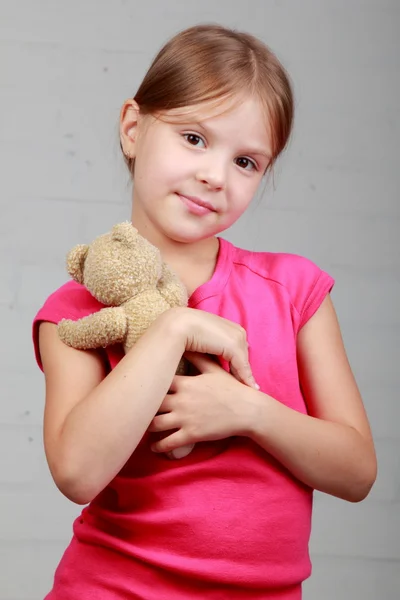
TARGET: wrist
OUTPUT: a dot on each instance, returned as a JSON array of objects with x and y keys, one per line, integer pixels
[
  {"x": 254, "y": 413},
  {"x": 170, "y": 323},
  {"x": 263, "y": 416}
]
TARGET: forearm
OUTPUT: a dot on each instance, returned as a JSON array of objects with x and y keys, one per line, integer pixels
[
  {"x": 104, "y": 429},
  {"x": 327, "y": 456}
]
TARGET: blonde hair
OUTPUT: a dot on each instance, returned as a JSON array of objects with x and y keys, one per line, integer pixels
[{"x": 210, "y": 63}]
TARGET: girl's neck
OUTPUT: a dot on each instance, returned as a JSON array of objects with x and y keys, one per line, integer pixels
[
  {"x": 196, "y": 265},
  {"x": 193, "y": 262}
]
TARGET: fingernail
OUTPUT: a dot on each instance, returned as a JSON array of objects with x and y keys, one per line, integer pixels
[{"x": 256, "y": 386}]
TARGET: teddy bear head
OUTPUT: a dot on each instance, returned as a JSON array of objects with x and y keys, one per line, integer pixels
[{"x": 116, "y": 266}]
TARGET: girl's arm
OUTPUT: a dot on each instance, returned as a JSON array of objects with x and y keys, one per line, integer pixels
[
  {"x": 331, "y": 449},
  {"x": 93, "y": 422}
]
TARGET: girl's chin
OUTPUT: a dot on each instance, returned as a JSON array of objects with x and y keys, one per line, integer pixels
[
  {"x": 186, "y": 233},
  {"x": 186, "y": 238}
]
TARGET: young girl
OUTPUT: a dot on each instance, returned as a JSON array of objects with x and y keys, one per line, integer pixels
[{"x": 274, "y": 409}]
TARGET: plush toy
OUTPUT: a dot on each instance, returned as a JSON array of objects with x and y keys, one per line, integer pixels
[{"x": 125, "y": 272}]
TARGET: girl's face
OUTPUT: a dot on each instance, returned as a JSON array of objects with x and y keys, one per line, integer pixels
[{"x": 193, "y": 180}]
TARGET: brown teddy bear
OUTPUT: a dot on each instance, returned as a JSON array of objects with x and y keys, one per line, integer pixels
[{"x": 125, "y": 272}]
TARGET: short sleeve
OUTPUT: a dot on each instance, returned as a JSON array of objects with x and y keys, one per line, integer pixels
[
  {"x": 308, "y": 286},
  {"x": 70, "y": 301}
]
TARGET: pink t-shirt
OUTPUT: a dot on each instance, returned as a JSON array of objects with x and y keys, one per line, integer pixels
[{"x": 228, "y": 521}]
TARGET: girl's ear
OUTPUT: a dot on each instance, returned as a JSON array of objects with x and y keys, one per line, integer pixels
[
  {"x": 128, "y": 124},
  {"x": 76, "y": 261}
]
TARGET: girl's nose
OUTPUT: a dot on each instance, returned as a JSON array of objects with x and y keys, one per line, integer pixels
[{"x": 213, "y": 176}]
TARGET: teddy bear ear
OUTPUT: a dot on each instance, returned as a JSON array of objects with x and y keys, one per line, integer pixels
[
  {"x": 76, "y": 260},
  {"x": 124, "y": 232}
]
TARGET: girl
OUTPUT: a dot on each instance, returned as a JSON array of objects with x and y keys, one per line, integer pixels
[{"x": 274, "y": 409}]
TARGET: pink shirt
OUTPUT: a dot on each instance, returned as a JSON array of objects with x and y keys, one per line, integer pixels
[{"x": 228, "y": 521}]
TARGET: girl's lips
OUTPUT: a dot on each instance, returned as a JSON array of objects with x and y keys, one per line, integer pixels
[{"x": 196, "y": 205}]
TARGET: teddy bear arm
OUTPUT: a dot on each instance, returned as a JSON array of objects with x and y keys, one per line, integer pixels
[{"x": 101, "y": 329}]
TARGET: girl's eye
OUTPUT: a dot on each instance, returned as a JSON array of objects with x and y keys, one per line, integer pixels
[
  {"x": 193, "y": 139},
  {"x": 246, "y": 163}
]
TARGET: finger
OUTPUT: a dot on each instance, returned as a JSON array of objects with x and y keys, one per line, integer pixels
[
  {"x": 163, "y": 423},
  {"x": 250, "y": 381},
  {"x": 173, "y": 388},
  {"x": 167, "y": 404},
  {"x": 202, "y": 362},
  {"x": 241, "y": 370},
  {"x": 171, "y": 442}
]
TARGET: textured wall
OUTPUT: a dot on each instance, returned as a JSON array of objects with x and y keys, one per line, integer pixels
[{"x": 66, "y": 67}]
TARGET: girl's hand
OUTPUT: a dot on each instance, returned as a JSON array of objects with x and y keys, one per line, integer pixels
[
  {"x": 206, "y": 333},
  {"x": 205, "y": 407}
]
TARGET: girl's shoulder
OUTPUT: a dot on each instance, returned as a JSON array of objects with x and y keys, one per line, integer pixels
[
  {"x": 70, "y": 301},
  {"x": 303, "y": 281}
]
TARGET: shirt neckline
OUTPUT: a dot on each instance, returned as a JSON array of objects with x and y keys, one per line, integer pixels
[{"x": 219, "y": 278}]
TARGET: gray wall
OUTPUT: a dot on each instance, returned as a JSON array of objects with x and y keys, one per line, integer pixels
[{"x": 66, "y": 67}]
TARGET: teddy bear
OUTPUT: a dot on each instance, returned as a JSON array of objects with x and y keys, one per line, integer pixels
[{"x": 126, "y": 273}]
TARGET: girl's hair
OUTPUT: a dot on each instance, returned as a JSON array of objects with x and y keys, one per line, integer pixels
[{"x": 209, "y": 64}]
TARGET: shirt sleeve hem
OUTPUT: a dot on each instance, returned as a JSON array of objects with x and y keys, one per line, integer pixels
[{"x": 322, "y": 286}]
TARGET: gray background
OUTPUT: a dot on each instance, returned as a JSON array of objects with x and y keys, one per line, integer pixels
[{"x": 66, "y": 68}]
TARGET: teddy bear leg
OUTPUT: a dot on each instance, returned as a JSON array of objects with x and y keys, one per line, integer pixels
[{"x": 180, "y": 452}]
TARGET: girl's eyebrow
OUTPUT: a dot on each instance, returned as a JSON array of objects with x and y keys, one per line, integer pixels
[
  {"x": 259, "y": 152},
  {"x": 250, "y": 150}
]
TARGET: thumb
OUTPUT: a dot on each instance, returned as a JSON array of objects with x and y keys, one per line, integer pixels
[{"x": 202, "y": 362}]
